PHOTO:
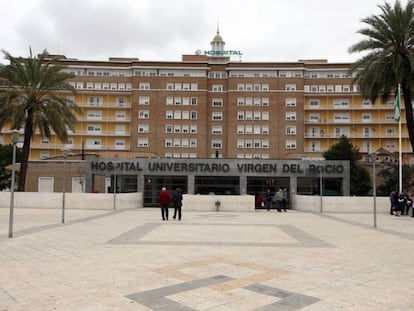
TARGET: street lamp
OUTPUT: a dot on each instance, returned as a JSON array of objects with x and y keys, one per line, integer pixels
[
  {"x": 65, "y": 155},
  {"x": 374, "y": 191},
  {"x": 321, "y": 187},
  {"x": 15, "y": 140},
  {"x": 115, "y": 184}
]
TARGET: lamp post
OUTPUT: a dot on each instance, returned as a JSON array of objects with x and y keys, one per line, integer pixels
[
  {"x": 321, "y": 187},
  {"x": 374, "y": 191},
  {"x": 115, "y": 185},
  {"x": 65, "y": 155},
  {"x": 15, "y": 140}
]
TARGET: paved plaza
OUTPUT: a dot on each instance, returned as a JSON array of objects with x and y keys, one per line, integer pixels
[{"x": 224, "y": 261}]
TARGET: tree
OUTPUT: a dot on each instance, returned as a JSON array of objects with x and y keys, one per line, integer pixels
[
  {"x": 6, "y": 158},
  {"x": 389, "y": 43},
  {"x": 390, "y": 177},
  {"x": 32, "y": 99},
  {"x": 360, "y": 180}
]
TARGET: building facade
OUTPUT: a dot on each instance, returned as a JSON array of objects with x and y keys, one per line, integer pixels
[{"x": 208, "y": 106}]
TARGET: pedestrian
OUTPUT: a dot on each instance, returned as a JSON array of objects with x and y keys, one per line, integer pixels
[
  {"x": 164, "y": 199},
  {"x": 400, "y": 204},
  {"x": 178, "y": 203},
  {"x": 279, "y": 199},
  {"x": 268, "y": 198},
  {"x": 285, "y": 199},
  {"x": 408, "y": 204},
  {"x": 393, "y": 201},
  {"x": 412, "y": 205}
]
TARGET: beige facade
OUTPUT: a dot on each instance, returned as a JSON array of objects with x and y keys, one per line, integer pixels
[{"x": 208, "y": 105}]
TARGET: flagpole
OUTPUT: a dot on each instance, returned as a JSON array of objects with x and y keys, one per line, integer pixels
[{"x": 399, "y": 145}]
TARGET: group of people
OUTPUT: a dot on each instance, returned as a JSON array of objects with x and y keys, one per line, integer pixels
[
  {"x": 280, "y": 198},
  {"x": 401, "y": 203},
  {"x": 165, "y": 199}
]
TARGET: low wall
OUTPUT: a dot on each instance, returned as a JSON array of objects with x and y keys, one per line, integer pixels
[
  {"x": 339, "y": 204},
  {"x": 228, "y": 203},
  {"x": 72, "y": 200}
]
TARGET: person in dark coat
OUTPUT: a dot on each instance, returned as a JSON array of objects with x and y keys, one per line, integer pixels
[
  {"x": 268, "y": 198},
  {"x": 178, "y": 203},
  {"x": 400, "y": 204},
  {"x": 393, "y": 201},
  {"x": 164, "y": 199}
]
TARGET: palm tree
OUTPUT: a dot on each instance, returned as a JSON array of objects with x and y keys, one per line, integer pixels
[
  {"x": 389, "y": 43},
  {"x": 31, "y": 98}
]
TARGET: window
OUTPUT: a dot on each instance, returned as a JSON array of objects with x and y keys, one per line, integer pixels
[
  {"x": 177, "y": 101},
  {"x": 177, "y": 129},
  {"x": 193, "y": 115},
  {"x": 185, "y": 115},
  {"x": 143, "y": 100},
  {"x": 43, "y": 155},
  {"x": 193, "y": 143},
  {"x": 170, "y": 86},
  {"x": 185, "y": 129},
  {"x": 265, "y": 102},
  {"x": 240, "y": 101},
  {"x": 366, "y": 117},
  {"x": 240, "y": 143},
  {"x": 177, "y": 86},
  {"x": 185, "y": 143},
  {"x": 290, "y": 130},
  {"x": 290, "y": 102},
  {"x": 143, "y": 142},
  {"x": 216, "y": 144},
  {"x": 143, "y": 128},
  {"x": 217, "y": 102},
  {"x": 194, "y": 86},
  {"x": 314, "y": 103},
  {"x": 265, "y": 87},
  {"x": 94, "y": 115},
  {"x": 177, "y": 115},
  {"x": 249, "y": 115},
  {"x": 176, "y": 142},
  {"x": 120, "y": 144},
  {"x": 256, "y": 115},
  {"x": 341, "y": 117},
  {"x": 240, "y": 129},
  {"x": 265, "y": 143},
  {"x": 290, "y": 87},
  {"x": 168, "y": 128},
  {"x": 143, "y": 114},
  {"x": 194, "y": 101},
  {"x": 169, "y": 101},
  {"x": 249, "y": 101},
  {"x": 314, "y": 146},
  {"x": 95, "y": 101},
  {"x": 249, "y": 87},
  {"x": 186, "y": 101},
  {"x": 93, "y": 143},
  {"x": 290, "y": 116},
  {"x": 169, "y": 114},
  {"x": 44, "y": 141},
  {"x": 366, "y": 103},
  {"x": 390, "y": 130},
  {"x": 94, "y": 129},
  {"x": 256, "y": 129},
  {"x": 265, "y": 115},
  {"x": 144, "y": 86},
  {"x": 257, "y": 87},
  {"x": 240, "y": 87},
  {"x": 193, "y": 129},
  {"x": 216, "y": 130},
  {"x": 249, "y": 129},
  {"x": 265, "y": 129},
  {"x": 290, "y": 144},
  {"x": 240, "y": 115},
  {"x": 256, "y": 102},
  {"x": 120, "y": 115},
  {"x": 341, "y": 103},
  {"x": 217, "y": 88},
  {"x": 168, "y": 142},
  {"x": 217, "y": 116}
]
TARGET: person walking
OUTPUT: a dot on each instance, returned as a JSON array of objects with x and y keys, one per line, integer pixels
[
  {"x": 268, "y": 198},
  {"x": 279, "y": 199},
  {"x": 393, "y": 201},
  {"x": 412, "y": 205},
  {"x": 164, "y": 199},
  {"x": 285, "y": 199},
  {"x": 408, "y": 204},
  {"x": 400, "y": 204},
  {"x": 178, "y": 203}
]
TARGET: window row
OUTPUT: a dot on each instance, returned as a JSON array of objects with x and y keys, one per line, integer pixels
[
  {"x": 184, "y": 129},
  {"x": 253, "y": 87},
  {"x": 249, "y": 101},
  {"x": 185, "y": 101},
  {"x": 182, "y": 86},
  {"x": 180, "y": 115},
  {"x": 101, "y": 86},
  {"x": 180, "y": 143},
  {"x": 253, "y": 129},
  {"x": 252, "y": 156},
  {"x": 331, "y": 88},
  {"x": 96, "y": 115},
  {"x": 253, "y": 143},
  {"x": 182, "y": 155},
  {"x": 97, "y": 101},
  {"x": 252, "y": 115}
]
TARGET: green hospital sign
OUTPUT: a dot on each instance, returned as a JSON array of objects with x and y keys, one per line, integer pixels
[{"x": 222, "y": 53}]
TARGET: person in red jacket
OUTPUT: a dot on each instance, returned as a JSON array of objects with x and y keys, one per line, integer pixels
[{"x": 164, "y": 199}]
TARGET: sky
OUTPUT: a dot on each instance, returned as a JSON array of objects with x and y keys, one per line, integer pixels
[{"x": 163, "y": 30}]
